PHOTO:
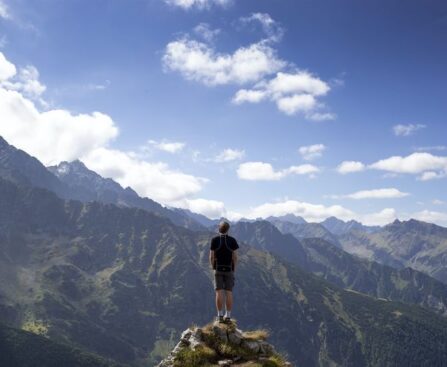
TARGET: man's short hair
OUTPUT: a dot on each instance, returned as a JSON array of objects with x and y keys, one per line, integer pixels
[{"x": 224, "y": 226}]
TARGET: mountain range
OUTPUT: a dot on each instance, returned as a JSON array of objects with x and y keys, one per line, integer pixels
[{"x": 81, "y": 265}]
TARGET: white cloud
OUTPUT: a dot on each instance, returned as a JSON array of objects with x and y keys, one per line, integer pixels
[
  {"x": 205, "y": 31},
  {"x": 406, "y": 130},
  {"x": 251, "y": 96},
  {"x": 201, "y": 4},
  {"x": 26, "y": 81},
  {"x": 321, "y": 116},
  {"x": 4, "y": 10},
  {"x": 229, "y": 154},
  {"x": 350, "y": 166},
  {"x": 273, "y": 30},
  {"x": 293, "y": 93},
  {"x": 210, "y": 208},
  {"x": 7, "y": 69},
  {"x": 303, "y": 169},
  {"x": 310, "y": 212},
  {"x": 431, "y": 175},
  {"x": 154, "y": 180},
  {"x": 311, "y": 152},
  {"x": 261, "y": 171},
  {"x": 426, "y": 165},
  {"x": 167, "y": 146},
  {"x": 416, "y": 163},
  {"x": 199, "y": 62},
  {"x": 431, "y": 217},
  {"x": 299, "y": 83},
  {"x": 56, "y": 135},
  {"x": 291, "y": 105},
  {"x": 317, "y": 212},
  {"x": 438, "y": 202},
  {"x": 388, "y": 193},
  {"x": 381, "y": 218}
]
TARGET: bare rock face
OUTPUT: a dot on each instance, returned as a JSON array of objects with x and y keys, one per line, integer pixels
[{"x": 222, "y": 345}]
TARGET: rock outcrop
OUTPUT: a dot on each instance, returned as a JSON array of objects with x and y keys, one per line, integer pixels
[{"x": 223, "y": 345}]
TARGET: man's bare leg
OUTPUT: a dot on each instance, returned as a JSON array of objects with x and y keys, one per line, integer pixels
[
  {"x": 228, "y": 302},
  {"x": 219, "y": 301}
]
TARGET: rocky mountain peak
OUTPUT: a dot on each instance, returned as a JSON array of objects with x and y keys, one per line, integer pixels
[
  {"x": 3, "y": 142},
  {"x": 223, "y": 345}
]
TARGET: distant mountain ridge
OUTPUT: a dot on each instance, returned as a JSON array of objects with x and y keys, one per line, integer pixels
[
  {"x": 18, "y": 166},
  {"x": 420, "y": 245},
  {"x": 340, "y": 227},
  {"x": 342, "y": 269},
  {"x": 73, "y": 180},
  {"x": 306, "y": 230},
  {"x": 87, "y": 185}
]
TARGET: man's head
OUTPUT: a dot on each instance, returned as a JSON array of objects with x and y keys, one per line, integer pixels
[{"x": 224, "y": 226}]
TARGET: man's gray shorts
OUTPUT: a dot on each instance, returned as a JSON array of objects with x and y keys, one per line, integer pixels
[{"x": 223, "y": 280}]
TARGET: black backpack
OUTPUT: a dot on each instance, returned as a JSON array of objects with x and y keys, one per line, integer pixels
[{"x": 223, "y": 267}]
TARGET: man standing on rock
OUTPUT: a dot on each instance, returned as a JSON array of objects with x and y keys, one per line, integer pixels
[{"x": 223, "y": 259}]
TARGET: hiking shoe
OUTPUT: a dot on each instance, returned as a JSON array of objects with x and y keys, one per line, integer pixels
[
  {"x": 227, "y": 320},
  {"x": 220, "y": 319}
]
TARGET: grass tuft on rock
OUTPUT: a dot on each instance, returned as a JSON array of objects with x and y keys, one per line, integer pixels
[{"x": 215, "y": 349}]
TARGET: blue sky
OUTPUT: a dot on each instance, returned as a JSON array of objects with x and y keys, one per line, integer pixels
[{"x": 205, "y": 104}]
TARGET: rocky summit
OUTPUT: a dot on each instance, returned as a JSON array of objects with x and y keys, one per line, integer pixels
[{"x": 225, "y": 345}]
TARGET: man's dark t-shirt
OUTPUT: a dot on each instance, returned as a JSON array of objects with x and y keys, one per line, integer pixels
[{"x": 223, "y": 247}]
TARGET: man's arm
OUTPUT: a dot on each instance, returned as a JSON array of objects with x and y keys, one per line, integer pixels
[
  {"x": 212, "y": 258},
  {"x": 234, "y": 260}
]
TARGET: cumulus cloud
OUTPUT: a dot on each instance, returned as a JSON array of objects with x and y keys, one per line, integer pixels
[
  {"x": 317, "y": 212},
  {"x": 273, "y": 29},
  {"x": 310, "y": 212},
  {"x": 205, "y": 31},
  {"x": 7, "y": 68},
  {"x": 59, "y": 135},
  {"x": 439, "y": 218},
  {"x": 199, "y": 62},
  {"x": 261, "y": 171},
  {"x": 406, "y": 130},
  {"x": 55, "y": 135},
  {"x": 381, "y": 218},
  {"x": 388, "y": 193},
  {"x": 250, "y": 96},
  {"x": 426, "y": 165},
  {"x": 438, "y": 202},
  {"x": 4, "y": 10},
  {"x": 321, "y": 116},
  {"x": 27, "y": 82},
  {"x": 431, "y": 175},
  {"x": 350, "y": 167},
  {"x": 210, "y": 208},
  {"x": 155, "y": 180},
  {"x": 293, "y": 93},
  {"x": 229, "y": 154},
  {"x": 167, "y": 146},
  {"x": 430, "y": 166},
  {"x": 301, "y": 83},
  {"x": 311, "y": 152},
  {"x": 201, "y": 4}
]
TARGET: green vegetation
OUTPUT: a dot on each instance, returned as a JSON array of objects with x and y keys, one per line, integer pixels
[
  {"x": 20, "y": 348},
  {"x": 214, "y": 349}
]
